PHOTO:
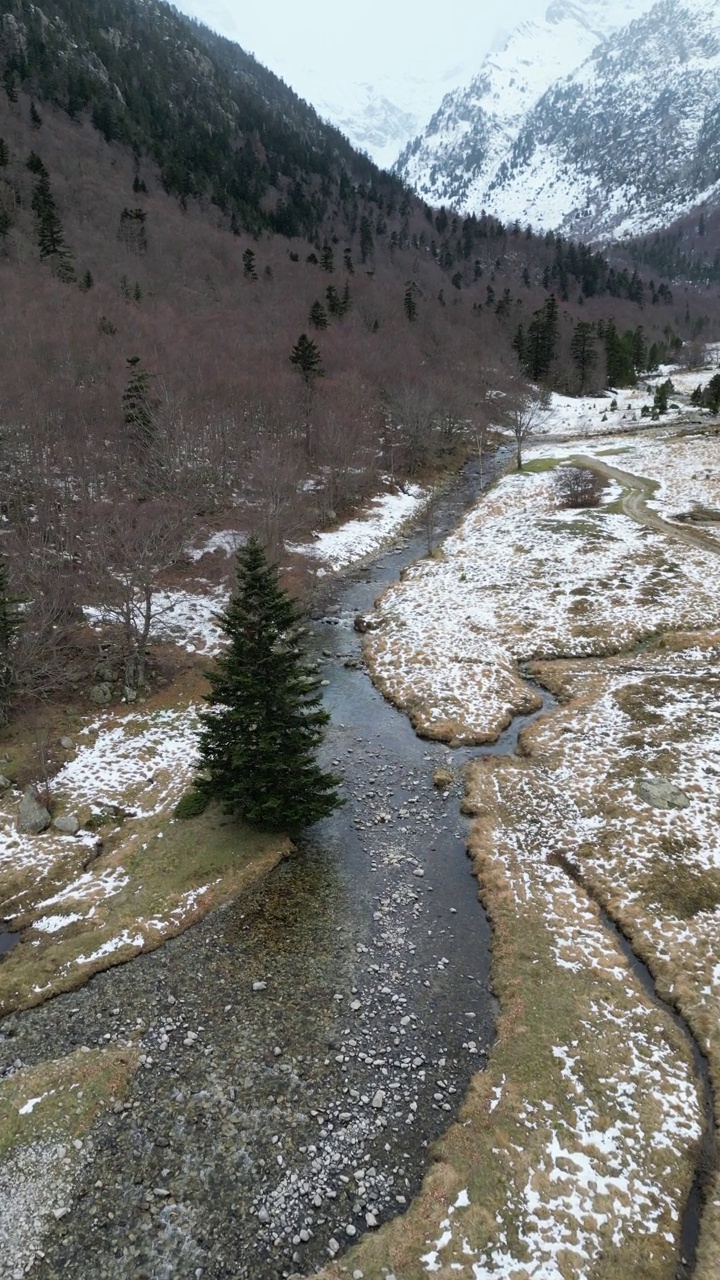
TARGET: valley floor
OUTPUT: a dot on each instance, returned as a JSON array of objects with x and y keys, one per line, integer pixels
[{"x": 574, "y": 1152}]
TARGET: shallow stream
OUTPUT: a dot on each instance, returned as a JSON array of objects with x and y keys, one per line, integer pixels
[{"x": 305, "y": 1046}]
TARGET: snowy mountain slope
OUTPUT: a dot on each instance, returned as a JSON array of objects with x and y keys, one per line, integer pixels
[
  {"x": 457, "y": 157},
  {"x": 631, "y": 140},
  {"x": 378, "y": 117}
]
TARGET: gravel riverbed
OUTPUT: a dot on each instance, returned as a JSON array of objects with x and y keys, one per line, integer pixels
[{"x": 301, "y": 1048}]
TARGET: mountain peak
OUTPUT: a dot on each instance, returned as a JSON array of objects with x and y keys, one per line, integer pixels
[{"x": 598, "y": 118}]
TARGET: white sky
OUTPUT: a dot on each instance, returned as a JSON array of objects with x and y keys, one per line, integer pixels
[{"x": 367, "y": 40}]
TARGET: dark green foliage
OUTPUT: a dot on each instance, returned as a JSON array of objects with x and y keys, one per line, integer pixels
[
  {"x": 10, "y": 623},
  {"x": 583, "y": 351},
  {"x": 137, "y": 409},
  {"x": 540, "y": 342},
  {"x": 191, "y": 805},
  {"x": 708, "y": 397},
  {"x": 619, "y": 355},
  {"x": 318, "y": 316},
  {"x": 409, "y": 303},
  {"x": 87, "y": 281},
  {"x": 35, "y": 117},
  {"x": 260, "y": 736},
  {"x": 232, "y": 134},
  {"x": 348, "y": 262},
  {"x": 5, "y": 223},
  {"x": 248, "y": 261},
  {"x": 139, "y": 186},
  {"x": 366, "y": 238},
  {"x": 4, "y": 154},
  {"x": 50, "y": 236},
  {"x": 663, "y": 391},
  {"x": 327, "y": 258},
  {"x": 305, "y": 357},
  {"x": 9, "y": 85},
  {"x": 35, "y": 165}
]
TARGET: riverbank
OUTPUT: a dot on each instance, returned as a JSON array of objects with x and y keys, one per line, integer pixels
[
  {"x": 620, "y": 780},
  {"x": 299, "y": 1049}
]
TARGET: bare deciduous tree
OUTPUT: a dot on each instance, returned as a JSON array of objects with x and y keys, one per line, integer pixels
[
  {"x": 524, "y": 415},
  {"x": 132, "y": 544}
]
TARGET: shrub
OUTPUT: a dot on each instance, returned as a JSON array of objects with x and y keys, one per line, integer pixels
[
  {"x": 191, "y": 805},
  {"x": 577, "y": 487}
]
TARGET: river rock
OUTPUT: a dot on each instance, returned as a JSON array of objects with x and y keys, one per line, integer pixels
[
  {"x": 367, "y": 622},
  {"x": 443, "y": 777},
  {"x": 68, "y": 823},
  {"x": 33, "y": 817},
  {"x": 67, "y": 744},
  {"x": 378, "y": 1100},
  {"x": 661, "y": 794},
  {"x": 100, "y": 694}
]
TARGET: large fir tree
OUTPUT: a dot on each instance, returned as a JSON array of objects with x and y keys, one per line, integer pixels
[{"x": 259, "y": 738}]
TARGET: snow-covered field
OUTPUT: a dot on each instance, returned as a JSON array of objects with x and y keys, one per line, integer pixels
[
  {"x": 622, "y": 780},
  {"x": 359, "y": 538},
  {"x": 522, "y": 580}
]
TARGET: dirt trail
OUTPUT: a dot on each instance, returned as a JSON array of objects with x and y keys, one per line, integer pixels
[{"x": 636, "y": 490}]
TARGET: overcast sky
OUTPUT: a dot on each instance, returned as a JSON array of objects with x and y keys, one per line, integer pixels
[{"x": 365, "y": 40}]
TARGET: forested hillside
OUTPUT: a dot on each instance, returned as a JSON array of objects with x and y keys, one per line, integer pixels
[{"x": 209, "y": 301}]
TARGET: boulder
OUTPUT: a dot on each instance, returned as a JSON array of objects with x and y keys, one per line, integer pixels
[
  {"x": 101, "y": 694},
  {"x": 367, "y": 622},
  {"x": 33, "y": 817},
  {"x": 67, "y": 744},
  {"x": 4, "y": 782},
  {"x": 443, "y": 777},
  {"x": 661, "y": 794},
  {"x": 68, "y": 823}
]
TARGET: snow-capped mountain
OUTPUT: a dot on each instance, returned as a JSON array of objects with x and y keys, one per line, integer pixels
[
  {"x": 456, "y": 158},
  {"x": 379, "y": 116},
  {"x": 628, "y": 142}
]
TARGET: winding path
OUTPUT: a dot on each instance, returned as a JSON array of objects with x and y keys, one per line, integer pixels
[{"x": 636, "y": 491}]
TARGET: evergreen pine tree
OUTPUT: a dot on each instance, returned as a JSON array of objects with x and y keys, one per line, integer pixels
[
  {"x": 334, "y": 303},
  {"x": 583, "y": 352},
  {"x": 259, "y": 738},
  {"x": 9, "y": 84},
  {"x": 327, "y": 258},
  {"x": 348, "y": 262},
  {"x": 35, "y": 117},
  {"x": 50, "y": 237},
  {"x": 4, "y": 154},
  {"x": 318, "y": 316},
  {"x": 366, "y": 238},
  {"x": 249, "y": 270},
  {"x": 137, "y": 410},
  {"x": 305, "y": 357},
  {"x": 409, "y": 303}
]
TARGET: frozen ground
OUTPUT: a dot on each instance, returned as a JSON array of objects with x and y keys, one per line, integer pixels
[
  {"x": 520, "y": 580},
  {"x": 359, "y": 538}
]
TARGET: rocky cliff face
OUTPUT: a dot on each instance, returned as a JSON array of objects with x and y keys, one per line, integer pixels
[{"x": 604, "y": 120}]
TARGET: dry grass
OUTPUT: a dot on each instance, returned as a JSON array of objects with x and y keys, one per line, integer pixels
[
  {"x": 166, "y": 863},
  {"x": 72, "y": 1092},
  {"x": 149, "y": 878},
  {"x": 498, "y": 1151}
]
